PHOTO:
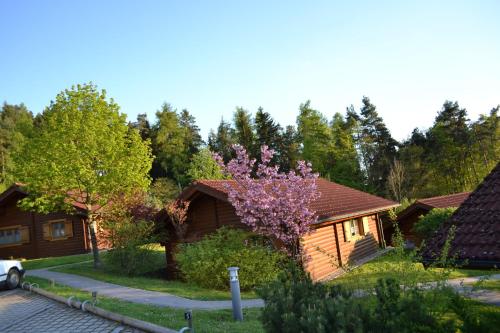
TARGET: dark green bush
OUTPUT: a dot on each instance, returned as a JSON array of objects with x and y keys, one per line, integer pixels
[
  {"x": 133, "y": 248},
  {"x": 428, "y": 224},
  {"x": 293, "y": 303},
  {"x": 205, "y": 262}
]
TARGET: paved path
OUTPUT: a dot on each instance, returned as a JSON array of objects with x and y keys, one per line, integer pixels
[
  {"x": 141, "y": 296},
  {"x": 136, "y": 295},
  {"x": 21, "y": 311},
  {"x": 465, "y": 287}
]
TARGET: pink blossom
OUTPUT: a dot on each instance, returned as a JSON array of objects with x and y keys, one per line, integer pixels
[{"x": 274, "y": 203}]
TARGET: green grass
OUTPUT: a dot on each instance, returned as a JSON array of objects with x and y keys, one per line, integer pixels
[
  {"x": 55, "y": 261},
  {"x": 488, "y": 284},
  {"x": 204, "y": 321},
  {"x": 154, "y": 282},
  {"x": 391, "y": 265}
]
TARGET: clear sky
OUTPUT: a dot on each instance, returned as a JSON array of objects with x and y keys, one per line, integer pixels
[{"x": 210, "y": 56}]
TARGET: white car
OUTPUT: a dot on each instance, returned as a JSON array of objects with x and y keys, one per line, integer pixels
[{"x": 11, "y": 272}]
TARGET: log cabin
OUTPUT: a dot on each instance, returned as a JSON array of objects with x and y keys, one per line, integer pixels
[
  {"x": 348, "y": 228},
  {"x": 408, "y": 217},
  {"x": 30, "y": 235}
]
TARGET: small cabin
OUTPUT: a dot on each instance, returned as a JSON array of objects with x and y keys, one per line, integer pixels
[
  {"x": 348, "y": 228},
  {"x": 409, "y": 216},
  {"x": 30, "y": 235}
]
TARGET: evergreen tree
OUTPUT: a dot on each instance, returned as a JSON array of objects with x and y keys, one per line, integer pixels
[
  {"x": 243, "y": 129},
  {"x": 222, "y": 141},
  {"x": 289, "y": 150},
  {"x": 143, "y": 126},
  {"x": 267, "y": 132},
  {"x": 192, "y": 137},
  {"x": 378, "y": 148}
]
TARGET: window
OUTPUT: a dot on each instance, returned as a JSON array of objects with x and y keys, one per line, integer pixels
[
  {"x": 57, "y": 230},
  {"x": 14, "y": 235},
  {"x": 10, "y": 236},
  {"x": 356, "y": 228}
]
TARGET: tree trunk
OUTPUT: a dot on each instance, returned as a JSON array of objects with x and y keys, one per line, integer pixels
[{"x": 93, "y": 237}]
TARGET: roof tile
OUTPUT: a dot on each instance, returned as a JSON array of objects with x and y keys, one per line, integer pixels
[{"x": 336, "y": 201}]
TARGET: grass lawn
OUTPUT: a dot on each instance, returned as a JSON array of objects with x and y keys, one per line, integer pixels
[
  {"x": 402, "y": 269},
  {"x": 154, "y": 282},
  {"x": 55, "y": 261},
  {"x": 203, "y": 320},
  {"x": 488, "y": 284}
]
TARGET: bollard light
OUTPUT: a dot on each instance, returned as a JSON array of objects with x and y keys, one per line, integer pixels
[
  {"x": 234, "y": 282},
  {"x": 94, "y": 297}
]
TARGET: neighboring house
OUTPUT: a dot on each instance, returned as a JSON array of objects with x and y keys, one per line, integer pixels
[
  {"x": 409, "y": 216},
  {"x": 476, "y": 242},
  {"x": 348, "y": 227},
  {"x": 32, "y": 235}
]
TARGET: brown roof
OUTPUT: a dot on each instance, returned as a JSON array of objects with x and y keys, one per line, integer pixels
[
  {"x": 442, "y": 201},
  {"x": 477, "y": 221},
  {"x": 445, "y": 201},
  {"x": 336, "y": 201},
  {"x": 18, "y": 189}
]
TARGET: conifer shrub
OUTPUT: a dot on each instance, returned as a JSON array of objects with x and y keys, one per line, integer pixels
[
  {"x": 205, "y": 262},
  {"x": 294, "y": 303}
]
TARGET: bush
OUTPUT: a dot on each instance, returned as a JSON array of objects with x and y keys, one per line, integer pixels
[
  {"x": 205, "y": 262},
  {"x": 133, "y": 252},
  {"x": 293, "y": 303},
  {"x": 428, "y": 224}
]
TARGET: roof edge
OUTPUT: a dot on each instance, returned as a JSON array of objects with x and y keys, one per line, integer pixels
[{"x": 353, "y": 214}]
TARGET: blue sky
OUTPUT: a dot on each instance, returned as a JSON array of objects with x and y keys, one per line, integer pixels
[{"x": 209, "y": 57}]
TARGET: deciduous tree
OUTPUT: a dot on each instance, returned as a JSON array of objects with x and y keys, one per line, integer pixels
[{"x": 83, "y": 153}]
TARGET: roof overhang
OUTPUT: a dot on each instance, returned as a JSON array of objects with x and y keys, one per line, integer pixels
[
  {"x": 412, "y": 208},
  {"x": 347, "y": 216}
]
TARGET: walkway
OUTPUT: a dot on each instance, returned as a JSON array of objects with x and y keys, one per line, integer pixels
[
  {"x": 136, "y": 295},
  {"x": 167, "y": 300}
]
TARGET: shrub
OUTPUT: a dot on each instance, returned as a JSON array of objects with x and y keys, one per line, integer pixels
[
  {"x": 205, "y": 262},
  {"x": 132, "y": 252},
  {"x": 428, "y": 224},
  {"x": 293, "y": 303}
]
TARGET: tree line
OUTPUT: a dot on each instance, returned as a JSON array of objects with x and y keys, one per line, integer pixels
[{"x": 354, "y": 148}]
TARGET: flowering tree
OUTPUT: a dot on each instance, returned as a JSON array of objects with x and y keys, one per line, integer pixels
[
  {"x": 177, "y": 211},
  {"x": 274, "y": 203}
]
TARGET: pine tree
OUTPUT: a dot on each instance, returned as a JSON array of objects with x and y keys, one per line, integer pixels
[
  {"x": 267, "y": 132},
  {"x": 243, "y": 128},
  {"x": 378, "y": 148},
  {"x": 222, "y": 141},
  {"x": 192, "y": 137},
  {"x": 289, "y": 150}
]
